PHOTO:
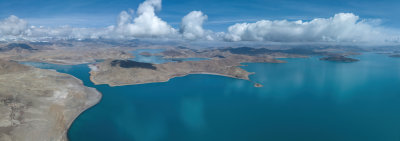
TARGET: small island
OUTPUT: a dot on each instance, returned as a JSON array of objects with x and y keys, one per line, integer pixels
[
  {"x": 395, "y": 56},
  {"x": 258, "y": 85},
  {"x": 339, "y": 59},
  {"x": 146, "y": 54}
]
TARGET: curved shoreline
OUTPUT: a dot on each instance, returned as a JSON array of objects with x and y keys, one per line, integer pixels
[
  {"x": 205, "y": 73},
  {"x": 42, "y": 104},
  {"x": 100, "y": 96}
]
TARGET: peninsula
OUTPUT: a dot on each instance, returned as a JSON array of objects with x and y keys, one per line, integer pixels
[
  {"x": 128, "y": 72},
  {"x": 40, "y": 105}
]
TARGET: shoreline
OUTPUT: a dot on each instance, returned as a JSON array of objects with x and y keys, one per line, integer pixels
[
  {"x": 84, "y": 110},
  {"x": 99, "y": 98},
  {"x": 68, "y": 97},
  {"x": 91, "y": 102},
  {"x": 205, "y": 73}
]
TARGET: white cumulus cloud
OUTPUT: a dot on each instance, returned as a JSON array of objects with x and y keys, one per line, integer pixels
[
  {"x": 13, "y": 26},
  {"x": 145, "y": 23},
  {"x": 192, "y": 25},
  {"x": 343, "y": 27}
]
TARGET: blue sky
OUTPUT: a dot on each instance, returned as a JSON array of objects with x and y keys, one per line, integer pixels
[
  {"x": 285, "y": 21},
  {"x": 221, "y": 13}
]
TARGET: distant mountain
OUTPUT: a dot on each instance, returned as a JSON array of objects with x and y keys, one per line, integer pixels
[
  {"x": 339, "y": 59},
  {"x": 257, "y": 51},
  {"x": 17, "y": 47},
  {"x": 248, "y": 50},
  {"x": 132, "y": 64}
]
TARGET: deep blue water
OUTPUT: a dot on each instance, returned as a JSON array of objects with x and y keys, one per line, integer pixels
[{"x": 303, "y": 100}]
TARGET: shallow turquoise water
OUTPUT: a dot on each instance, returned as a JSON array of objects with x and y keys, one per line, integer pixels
[{"x": 302, "y": 100}]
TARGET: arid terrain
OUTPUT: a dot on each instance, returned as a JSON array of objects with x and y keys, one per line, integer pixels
[
  {"x": 116, "y": 73},
  {"x": 61, "y": 53},
  {"x": 225, "y": 61},
  {"x": 39, "y": 105}
]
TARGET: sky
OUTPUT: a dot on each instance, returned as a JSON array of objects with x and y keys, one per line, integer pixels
[
  {"x": 221, "y": 13},
  {"x": 220, "y": 16}
]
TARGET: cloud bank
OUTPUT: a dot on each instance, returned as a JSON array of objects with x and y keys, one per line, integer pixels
[
  {"x": 13, "y": 26},
  {"x": 341, "y": 28}
]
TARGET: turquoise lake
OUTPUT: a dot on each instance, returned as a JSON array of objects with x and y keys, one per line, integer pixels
[{"x": 303, "y": 100}]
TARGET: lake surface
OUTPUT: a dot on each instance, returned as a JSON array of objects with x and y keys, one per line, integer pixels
[{"x": 303, "y": 100}]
